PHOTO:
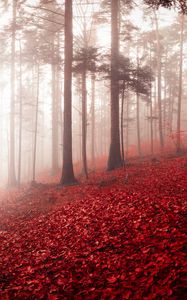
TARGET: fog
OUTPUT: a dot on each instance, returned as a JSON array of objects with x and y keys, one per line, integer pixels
[
  {"x": 151, "y": 80},
  {"x": 93, "y": 155}
]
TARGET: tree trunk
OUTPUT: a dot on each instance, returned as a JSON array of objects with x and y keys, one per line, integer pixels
[
  {"x": 84, "y": 122},
  {"x": 12, "y": 175},
  {"x": 122, "y": 131},
  {"x": 55, "y": 106},
  {"x": 93, "y": 122},
  {"x": 36, "y": 126},
  {"x": 20, "y": 118},
  {"x": 138, "y": 122},
  {"x": 159, "y": 86},
  {"x": 114, "y": 159},
  {"x": 138, "y": 107},
  {"x": 171, "y": 108},
  {"x": 54, "y": 121},
  {"x": 165, "y": 97},
  {"x": 151, "y": 121},
  {"x": 67, "y": 177},
  {"x": 127, "y": 126},
  {"x": 180, "y": 85}
]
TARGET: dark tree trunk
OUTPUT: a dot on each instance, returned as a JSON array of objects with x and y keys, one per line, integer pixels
[
  {"x": 36, "y": 126},
  {"x": 12, "y": 175},
  {"x": 138, "y": 122},
  {"x": 151, "y": 122},
  {"x": 127, "y": 126},
  {"x": 67, "y": 177},
  {"x": 159, "y": 87},
  {"x": 180, "y": 86},
  {"x": 55, "y": 115},
  {"x": 20, "y": 119},
  {"x": 55, "y": 106},
  {"x": 138, "y": 109},
  {"x": 122, "y": 131},
  {"x": 84, "y": 122},
  {"x": 114, "y": 159},
  {"x": 93, "y": 122}
]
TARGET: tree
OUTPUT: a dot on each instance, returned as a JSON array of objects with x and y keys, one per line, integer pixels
[
  {"x": 159, "y": 80},
  {"x": 20, "y": 117},
  {"x": 55, "y": 103},
  {"x": 12, "y": 174},
  {"x": 93, "y": 120},
  {"x": 85, "y": 60},
  {"x": 114, "y": 159},
  {"x": 36, "y": 124},
  {"x": 180, "y": 84},
  {"x": 180, "y": 4},
  {"x": 67, "y": 177},
  {"x": 125, "y": 80}
]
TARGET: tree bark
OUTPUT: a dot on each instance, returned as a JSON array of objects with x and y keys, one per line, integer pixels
[
  {"x": 114, "y": 159},
  {"x": 180, "y": 85},
  {"x": 122, "y": 131},
  {"x": 151, "y": 122},
  {"x": 36, "y": 126},
  {"x": 93, "y": 121},
  {"x": 20, "y": 118},
  {"x": 159, "y": 87},
  {"x": 12, "y": 174},
  {"x": 138, "y": 122},
  {"x": 67, "y": 177},
  {"x": 84, "y": 122},
  {"x": 54, "y": 116}
]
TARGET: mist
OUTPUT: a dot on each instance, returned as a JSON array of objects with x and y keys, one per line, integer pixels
[
  {"x": 151, "y": 83},
  {"x": 93, "y": 156}
]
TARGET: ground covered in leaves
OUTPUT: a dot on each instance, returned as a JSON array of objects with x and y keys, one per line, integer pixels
[{"x": 119, "y": 235}]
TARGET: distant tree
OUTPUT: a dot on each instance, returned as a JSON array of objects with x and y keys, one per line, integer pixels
[
  {"x": 20, "y": 116},
  {"x": 36, "y": 123},
  {"x": 125, "y": 83},
  {"x": 180, "y": 84},
  {"x": 159, "y": 81},
  {"x": 84, "y": 62},
  {"x": 143, "y": 78},
  {"x": 93, "y": 79},
  {"x": 12, "y": 174}
]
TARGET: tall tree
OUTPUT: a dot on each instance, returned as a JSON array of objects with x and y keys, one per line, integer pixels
[
  {"x": 55, "y": 104},
  {"x": 159, "y": 81},
  {"x": 114, "y": 159},
  {"x": 20, "y": 117},
  {"x": 67, "y": 170},
  {"x": 12, "y": 175},
  {"x": 36, "y": 124},
  {"x": 85, "y": 60},
  {"x": 180, "y": 84},
  {"x": 93, "y": 120}
]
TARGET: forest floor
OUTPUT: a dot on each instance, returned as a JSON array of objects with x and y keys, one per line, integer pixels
[{"x": 118, "y": 235}]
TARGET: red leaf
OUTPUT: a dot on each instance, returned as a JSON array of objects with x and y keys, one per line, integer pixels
[{"x": 112, "y": 279}]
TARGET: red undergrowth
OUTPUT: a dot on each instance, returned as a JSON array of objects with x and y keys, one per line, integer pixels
[{"x": 119, "y": 235}]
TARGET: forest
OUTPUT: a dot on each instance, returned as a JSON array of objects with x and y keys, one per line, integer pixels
[{"x": 93, "y": 156}]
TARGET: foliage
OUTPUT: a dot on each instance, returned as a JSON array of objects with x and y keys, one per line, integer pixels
[
  {"x": 132, "y": 78},
  {"x": 85, "y": 58},
  {"x": 96, "y": 240},
  {"x": 180, "y": 4},
  {"x": 142, "y": 79}
]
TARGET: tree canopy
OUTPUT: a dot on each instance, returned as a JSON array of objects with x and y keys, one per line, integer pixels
[{"x": 180, "y": 4}]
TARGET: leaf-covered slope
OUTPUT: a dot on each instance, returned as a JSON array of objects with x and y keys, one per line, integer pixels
[{"x": 116, "y": 239}]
